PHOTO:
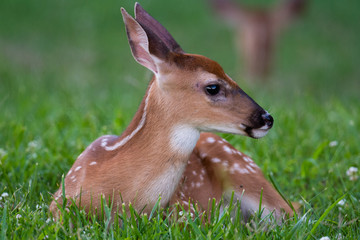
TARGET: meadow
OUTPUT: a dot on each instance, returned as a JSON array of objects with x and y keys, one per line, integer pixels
[{"x": 67, "y": 77}]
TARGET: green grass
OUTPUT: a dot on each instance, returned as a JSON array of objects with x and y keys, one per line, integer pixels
[{"x": 67, "y": 77}]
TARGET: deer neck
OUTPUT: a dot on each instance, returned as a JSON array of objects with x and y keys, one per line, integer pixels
[
  {"x": 157, "y": 142},
  {"x": 158, "y": 128}
]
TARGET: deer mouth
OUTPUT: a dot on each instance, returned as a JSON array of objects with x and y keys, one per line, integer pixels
[
  {"x": 266, "y": 122},
  {"x": 257, "y": 132}
]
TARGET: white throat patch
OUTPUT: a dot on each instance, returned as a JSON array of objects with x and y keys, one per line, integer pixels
[{"x": 183, "y": 139}]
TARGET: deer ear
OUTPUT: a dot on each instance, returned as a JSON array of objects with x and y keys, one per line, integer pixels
[
  {"x": 139, "y": 42},
  {"x": 154, "y": 29}
]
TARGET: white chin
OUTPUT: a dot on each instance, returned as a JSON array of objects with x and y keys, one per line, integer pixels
[{"x": 259, "y": 133}]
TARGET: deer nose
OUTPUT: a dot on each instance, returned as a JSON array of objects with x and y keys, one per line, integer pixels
[{"x": 268, "y": 119}]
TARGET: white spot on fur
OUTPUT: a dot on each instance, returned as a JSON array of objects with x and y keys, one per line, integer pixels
[
  {"x": 74, "y": 180},
  {"x": 234, "y": 168},
  {"x": 69, "y": 172},
  {"x": 247, "y": 159},
  {"x": 225, "y": 164},
  {"x": 215, "y": 160},
  {"x": 203, "y": 155},
  {"x": 104, "y": 141},
  {"x": 194, "y": 172},
  {"x": 250, "y": 168},
  {"x": 227, "y": 149},
  {"x": 210, "y": 140},
  {"x": 198, "y": 184},
  {"x": 252, "y": 164},
  {"x": 78, "y": 168},
  {"x": 183, "y": 139},
  {"x": 137, "y": 129},
  {"x": 93, "y": 163},
  {"x": 237, "y": 168},
  {"x": 72, "y": 177},
  {"x": 81, "y": 154}
]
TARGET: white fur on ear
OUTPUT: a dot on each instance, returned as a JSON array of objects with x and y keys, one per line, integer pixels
[{"x": 139, "y": 42}]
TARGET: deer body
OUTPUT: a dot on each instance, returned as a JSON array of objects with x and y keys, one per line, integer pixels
[{"x": 188, "y": 94}]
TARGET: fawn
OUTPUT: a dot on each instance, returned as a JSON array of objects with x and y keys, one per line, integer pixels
[
  {"x": 188, "y": 94},
  {"x": 256, "y": 30}
]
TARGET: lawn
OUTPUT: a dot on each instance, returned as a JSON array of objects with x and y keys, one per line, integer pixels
[{"x": 67, "y": 77}]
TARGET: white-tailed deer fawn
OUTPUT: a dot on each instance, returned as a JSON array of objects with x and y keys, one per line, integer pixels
[
  {"x": 217, "y": 169},
  {"x": 256, "y": 30},
  {"x": 188, "y": 94}
]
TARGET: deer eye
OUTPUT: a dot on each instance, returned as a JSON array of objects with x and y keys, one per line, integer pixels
[{"x": 212, "y": 89}]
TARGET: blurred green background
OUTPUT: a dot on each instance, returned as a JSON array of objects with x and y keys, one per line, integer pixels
[{"x": 67, "y": 76}]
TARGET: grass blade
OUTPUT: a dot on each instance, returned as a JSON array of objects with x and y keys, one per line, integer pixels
[
  {"x": 155, "y": 208},
  {"x": 272, "y": 180},
  {"x": 296, "y": 227},
  {"x": 323, "y": 216}
]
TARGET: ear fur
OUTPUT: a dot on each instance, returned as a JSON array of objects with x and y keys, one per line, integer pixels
[
  {"x": 139, "y": 42},
  {"x": 153, "y": 27}
]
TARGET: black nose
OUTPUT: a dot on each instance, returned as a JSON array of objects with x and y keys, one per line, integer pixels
[{"x": 268, "y": 119}]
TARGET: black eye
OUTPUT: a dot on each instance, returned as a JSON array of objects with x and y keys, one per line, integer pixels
[{"x": 212, "y": 89}]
